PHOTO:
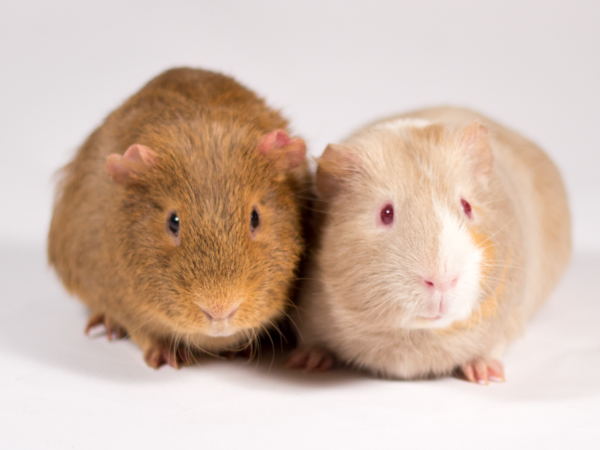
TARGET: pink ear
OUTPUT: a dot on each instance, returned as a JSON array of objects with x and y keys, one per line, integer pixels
[
  {"x": 336, "y": 166},
  {"x": 287, "y": 151},
  {"x": 474, "y": 139},
  {"x": 136, "y": 160}
]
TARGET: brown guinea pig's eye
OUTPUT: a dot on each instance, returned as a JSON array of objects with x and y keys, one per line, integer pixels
[
  {"x": 254, "y": 220},
  {"x": 173, "y": 224}
]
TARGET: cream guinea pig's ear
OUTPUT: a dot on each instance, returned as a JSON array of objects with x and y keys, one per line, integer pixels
[
  {"x": 336, "y": 166},
  {"x": 474, "y": 139},
  {"x": 287, "y": 152},
  {"x": 136, "y": 160}
]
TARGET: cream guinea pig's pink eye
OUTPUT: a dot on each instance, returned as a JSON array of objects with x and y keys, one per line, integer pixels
[
  {"x": 387, "y": 215},
  {"x": 466, "y": 208}
]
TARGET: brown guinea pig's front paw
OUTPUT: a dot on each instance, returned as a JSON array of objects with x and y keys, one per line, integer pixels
[
  {"x": 481, "y": 372},
  {"x": 113, "y": 330},
  {"x": 161, "y": 353},
  {"x": 310, "y": 359}
]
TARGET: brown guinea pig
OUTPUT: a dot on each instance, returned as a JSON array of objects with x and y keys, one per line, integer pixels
[
  {"x": 442, "y": 233},
  {"x": 178, "y": 222}
]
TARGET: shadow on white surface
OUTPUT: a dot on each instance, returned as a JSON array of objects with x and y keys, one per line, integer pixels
[
  {"x": 559, "y": 355},
  {"x": 41, "y": 322},
  {"x": 71, "y": 386}
]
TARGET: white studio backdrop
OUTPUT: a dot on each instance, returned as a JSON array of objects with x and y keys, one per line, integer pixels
[{"x": 329, "y": 65}]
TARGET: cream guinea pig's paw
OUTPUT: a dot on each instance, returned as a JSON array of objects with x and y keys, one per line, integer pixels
[{"x": 481, "y": 371}]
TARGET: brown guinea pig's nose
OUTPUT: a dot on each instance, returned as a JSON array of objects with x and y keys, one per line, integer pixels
[{"x": 219, "y": 314}]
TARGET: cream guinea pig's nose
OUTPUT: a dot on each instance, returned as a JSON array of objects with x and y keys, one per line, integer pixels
[
  {"x": 439, "y": 284},
  {"x": 217, "y": 314}
]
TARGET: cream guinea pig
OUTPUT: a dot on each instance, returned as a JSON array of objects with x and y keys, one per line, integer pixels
[
  {"x": 441, "y": 233},
  {"x": 179, "y": 221}
]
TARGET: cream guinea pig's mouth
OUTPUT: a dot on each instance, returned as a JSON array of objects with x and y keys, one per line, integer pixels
[
  {"x": 439, "y": 321},
  {"x": 432, "y": 318}
]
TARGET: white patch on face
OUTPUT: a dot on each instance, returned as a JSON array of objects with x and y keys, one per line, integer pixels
[
  {"x": 457, "y": 258},
  {"x": 401, "y": 124},
  {"x": 220, "y": 329}
]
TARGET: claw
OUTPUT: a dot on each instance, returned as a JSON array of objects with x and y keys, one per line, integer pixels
[
  {"x": 482, "y": 372},
  {"x": 93, "y": 321},
  {"x": 120, "y": 333},
  {"x": 311, "y": 360},
  {"x": 160, "y": 354},
  {"x": 112, "y": 329},
  {"x": 496, "y": 371}
]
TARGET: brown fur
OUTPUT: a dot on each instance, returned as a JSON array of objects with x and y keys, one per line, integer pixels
[
  {"x": 364, "y": 297},
  {"x": 108, "y": 241}
]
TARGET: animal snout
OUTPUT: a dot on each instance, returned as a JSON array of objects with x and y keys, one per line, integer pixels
[
  {"x": 441, "y": 284},
  {"x": 218, "y": 314}
]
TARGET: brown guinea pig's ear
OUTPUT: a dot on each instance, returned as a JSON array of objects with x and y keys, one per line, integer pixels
[
  {"x": 286, "y": 151},
  {"x": 474, "y": 139},
  {"x": 335, "y": 167},
  {"x": 136, "y": 160}
]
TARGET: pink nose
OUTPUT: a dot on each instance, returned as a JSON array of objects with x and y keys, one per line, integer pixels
[
  {"x": 439, "y": 285},
  {"x": 219, "y": 314}
]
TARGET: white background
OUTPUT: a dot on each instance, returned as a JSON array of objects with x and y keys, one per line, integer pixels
[{"x": 331, "y": 66}]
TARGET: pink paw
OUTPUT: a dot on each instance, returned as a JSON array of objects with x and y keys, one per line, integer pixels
[
  {"x": 113, "y": 330},
  {"x": 160, "y": 354},
  {"x": 310, "y": 359},
  {"x": 482, "y": 372}
]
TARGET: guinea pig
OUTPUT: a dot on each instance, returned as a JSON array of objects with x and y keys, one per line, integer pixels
[
  {"x": 179, "y": 220},
  {"x": 441, "y": 234}
]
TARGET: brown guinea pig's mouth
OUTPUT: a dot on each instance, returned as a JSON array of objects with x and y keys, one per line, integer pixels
[
  {"x": 220, "y": 320},
  {"x": 220, "y": 329}
]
